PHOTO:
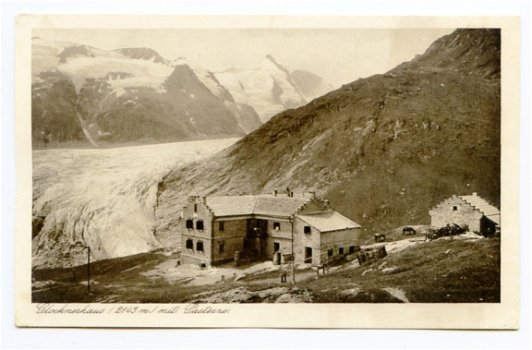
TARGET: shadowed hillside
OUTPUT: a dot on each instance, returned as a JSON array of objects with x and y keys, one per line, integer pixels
[{"x": 383, "y": 149}]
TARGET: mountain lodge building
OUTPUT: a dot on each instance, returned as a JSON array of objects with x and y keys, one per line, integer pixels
[{"x": 217, "y": 229}]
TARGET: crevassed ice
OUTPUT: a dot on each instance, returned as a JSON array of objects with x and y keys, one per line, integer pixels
[{"x": 105, "y": 198}]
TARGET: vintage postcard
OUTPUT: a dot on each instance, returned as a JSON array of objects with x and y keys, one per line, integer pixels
[{"x": 287, "y": 172}]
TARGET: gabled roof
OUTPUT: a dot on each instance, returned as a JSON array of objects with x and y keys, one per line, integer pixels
[
  {"x": 328, "y": 221},
  {"x": 264, "y": 204},
  {"x": 484, "y": 207},
  {"x": 478, "y": 203},
  {"x": 231, "y": 205},
  {"x": 279, "y": 205}
]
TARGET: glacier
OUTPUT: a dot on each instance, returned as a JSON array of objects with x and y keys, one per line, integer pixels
[{"x": 103, "y": 198}]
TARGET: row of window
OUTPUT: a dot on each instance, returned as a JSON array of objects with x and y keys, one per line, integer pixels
[
  {"x": 200, "y": 226},
  {"x": 221, "y": 226},
  {"x": 190, "y": 224},
  {"x": 189, "y": 244},
  {"x": 330, "y": 252}
]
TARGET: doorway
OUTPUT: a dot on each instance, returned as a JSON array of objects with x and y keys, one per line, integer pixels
[{"x": 255, "y": 239}]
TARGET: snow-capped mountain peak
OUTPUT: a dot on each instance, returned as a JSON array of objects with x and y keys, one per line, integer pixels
[{"x": 121, "y": 91}]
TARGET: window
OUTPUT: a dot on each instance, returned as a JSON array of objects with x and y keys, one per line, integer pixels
[
  {"x": 307, "y": 230},
  {"x": 195, "y": 208},
  {"x": 330, "y": 252},
  {"x": 276, "y": 226},
  {"x": 189, "y": 244},
  {"x": 455, "y": 207},
  {"x": 199, "y": 225},
  {"x": 221, "y": 247},
  {"x": 190, "y": 224},
  {"x": 276, "y": 246},
  {"x": 199, "y": 246},
  {"x": 351, "y": 249},
  {"x": 308, "y": 254},
  {"x": 341, "y": 251},
  {"x": 221, "y": 226}
]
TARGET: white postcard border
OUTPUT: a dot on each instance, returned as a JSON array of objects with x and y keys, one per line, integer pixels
[{"x": 503, "y": 315}]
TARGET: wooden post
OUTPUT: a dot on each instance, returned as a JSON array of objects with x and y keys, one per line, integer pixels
[
  {"x": 293, "y": 256},
  {"x": 88, "y": 270}
]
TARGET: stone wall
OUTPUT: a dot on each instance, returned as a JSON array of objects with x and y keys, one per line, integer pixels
[
  {"x": 196, "y": 210},
  {"x": 230, "y": 239},
  {"x": 283, "y": 236},
  {"x": 306, "y": 240},
  {"x": 340, "y": 242},
  {"x": 455, "y": 211},
  {"x": 321, "y": 242}
]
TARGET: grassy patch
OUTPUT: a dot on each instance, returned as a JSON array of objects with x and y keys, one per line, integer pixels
[{"x": 437, "y": 271}]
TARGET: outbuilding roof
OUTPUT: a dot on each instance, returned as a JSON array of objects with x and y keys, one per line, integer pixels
[
  {"x": 483, "y": 206},
  {"x": 328, "y": 221},
  {"x": 264, "y": 204}
]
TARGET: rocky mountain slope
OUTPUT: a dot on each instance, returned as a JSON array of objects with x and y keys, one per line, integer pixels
[
  {"x": 130, "y": 94},
  {"x": 270, "y": 87},
  {"x": 383, "y": 149}
]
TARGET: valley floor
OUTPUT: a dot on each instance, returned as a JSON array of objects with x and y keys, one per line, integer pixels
[{"x": 463, "y": 269}]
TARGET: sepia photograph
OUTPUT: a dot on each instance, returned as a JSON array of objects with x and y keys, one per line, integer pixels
[{"x": 204, "y": 167}]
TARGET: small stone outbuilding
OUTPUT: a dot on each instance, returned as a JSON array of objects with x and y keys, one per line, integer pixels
[{"x": 471, "y": 211}]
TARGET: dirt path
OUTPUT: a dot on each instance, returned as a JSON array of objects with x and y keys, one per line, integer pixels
[
  {"x": 193, "y": 275},
  {"x": 300, "y": 277}
]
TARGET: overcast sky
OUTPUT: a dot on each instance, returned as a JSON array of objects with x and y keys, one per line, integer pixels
[{"x": 338, "y": 55}]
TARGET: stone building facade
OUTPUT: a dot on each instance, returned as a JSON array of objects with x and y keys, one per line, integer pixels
[
  {"x": 259, "y": 226},
  {"x": 471, "y": 211}
]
